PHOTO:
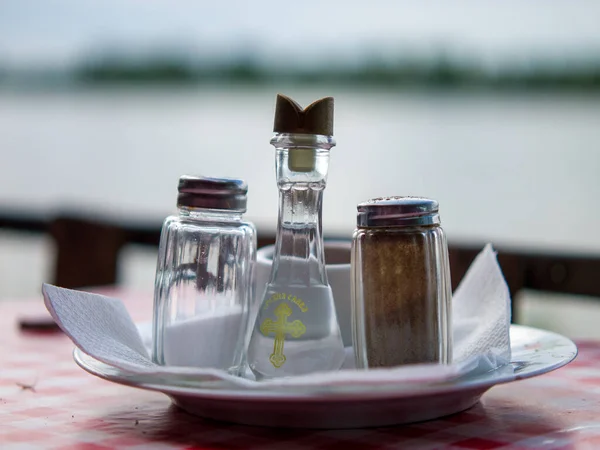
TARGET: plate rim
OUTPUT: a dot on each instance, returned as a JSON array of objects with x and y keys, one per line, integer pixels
[{"x": 481, "y": 382}]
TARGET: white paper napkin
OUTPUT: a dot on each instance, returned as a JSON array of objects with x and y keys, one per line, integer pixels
[{"x": 101, "y": 327}]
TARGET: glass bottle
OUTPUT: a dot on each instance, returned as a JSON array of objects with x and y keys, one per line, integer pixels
[
  {"x": 204, "y": 282},
  {"x": 296, "y": 329},
  {"x": 401, "y": 290}
]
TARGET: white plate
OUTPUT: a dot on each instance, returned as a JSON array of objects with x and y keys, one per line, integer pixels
[{"x": 534, "y": 352}]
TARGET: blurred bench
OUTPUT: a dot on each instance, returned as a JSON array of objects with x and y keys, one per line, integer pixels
[{"x": 88, "y": 250}]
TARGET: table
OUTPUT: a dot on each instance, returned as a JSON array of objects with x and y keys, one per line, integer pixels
[{"x": 47, "y": 402}]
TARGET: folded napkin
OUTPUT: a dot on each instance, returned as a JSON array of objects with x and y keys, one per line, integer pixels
[{"x": 102, "y": 328}]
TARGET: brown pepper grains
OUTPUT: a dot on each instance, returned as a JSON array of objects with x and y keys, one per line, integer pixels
[{"x": 400, "y": 292}]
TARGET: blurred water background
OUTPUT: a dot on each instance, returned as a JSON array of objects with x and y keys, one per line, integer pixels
[{"x": 492, "y": 109}]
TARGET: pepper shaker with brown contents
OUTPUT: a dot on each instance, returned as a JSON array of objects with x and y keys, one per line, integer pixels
[{"x": 401, "y": 289}]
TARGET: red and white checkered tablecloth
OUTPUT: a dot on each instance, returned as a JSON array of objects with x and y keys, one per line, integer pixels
[{"x": 69, "y": 409}]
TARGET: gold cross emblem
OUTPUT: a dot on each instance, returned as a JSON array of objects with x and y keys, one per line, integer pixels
[{"x": 281, "y": 327}]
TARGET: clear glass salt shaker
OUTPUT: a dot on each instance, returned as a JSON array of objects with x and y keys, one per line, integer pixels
[
  {"x": 401, "y": 289},
  {"x": 204, "y": 283}
]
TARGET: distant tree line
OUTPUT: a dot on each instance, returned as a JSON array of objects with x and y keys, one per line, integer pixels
[
  {"x": 442, "y": 73},
  {"x": 439, "y": 73}
]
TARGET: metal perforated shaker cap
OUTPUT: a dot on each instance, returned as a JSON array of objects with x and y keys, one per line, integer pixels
[
  {"x": 212, "y": 193},
  {"x": 397, "y": 212}
]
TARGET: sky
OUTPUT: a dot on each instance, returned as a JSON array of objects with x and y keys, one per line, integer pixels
[{"x": 59, "y": 32}]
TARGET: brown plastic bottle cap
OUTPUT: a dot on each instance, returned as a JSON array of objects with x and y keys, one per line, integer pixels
[{"x": 316, "y": 118}]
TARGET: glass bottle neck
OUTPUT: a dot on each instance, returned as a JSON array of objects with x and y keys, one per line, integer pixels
[
  {"x": 302, "y": 162},
  {"x": 302, "y": 158}
]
